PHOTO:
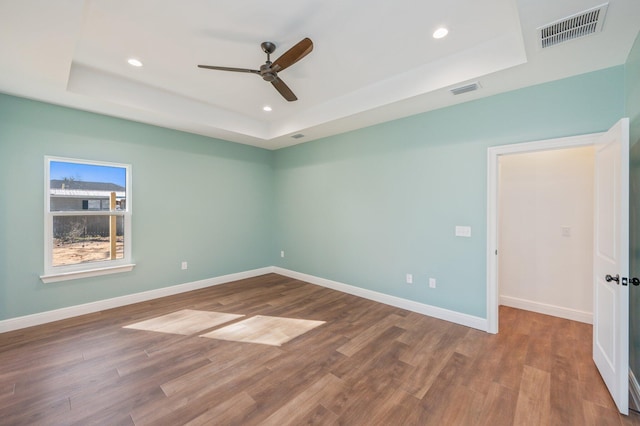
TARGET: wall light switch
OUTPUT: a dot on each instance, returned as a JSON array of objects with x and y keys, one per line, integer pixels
[
  {"x": 409, "y": 279},
  {"x": 566, "y": 231},
  {"x": 432, "y": 282},
  {"x": 184, "y": 265},
  {"x": 463, "y": 231}
]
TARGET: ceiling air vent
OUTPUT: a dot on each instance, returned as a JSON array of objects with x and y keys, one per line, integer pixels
[
  {"x": 466, "y": 88},
  {"x": 298, "y": 136},
  {"x": 579, "y": 25}
]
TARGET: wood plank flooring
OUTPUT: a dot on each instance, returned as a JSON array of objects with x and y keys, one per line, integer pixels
[{"x": 369, "y": 364}]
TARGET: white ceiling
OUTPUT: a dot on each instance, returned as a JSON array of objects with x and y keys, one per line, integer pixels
[{"x": 373, "y": 60}]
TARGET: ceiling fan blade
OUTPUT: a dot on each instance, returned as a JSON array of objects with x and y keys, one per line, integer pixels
[
  {"x": 211, "y": 67},
  {"x": 293, "y": 55},
  {"x": 284, "y": 90}
]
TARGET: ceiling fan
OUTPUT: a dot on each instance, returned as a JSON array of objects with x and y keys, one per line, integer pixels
[{"x": 269, "y": 70}]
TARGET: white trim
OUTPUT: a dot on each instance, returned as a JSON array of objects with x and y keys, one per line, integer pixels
[
  {"x": 100, "y": 305},
  {"x": 493, "y": 154},
  {"x": 54, "y": 278},
  {"x": 90, "y": 213},
  {"x": 544, "y": 308},
  {"x": 634, "y": 389},
  {"x": 410, "y": 305}
]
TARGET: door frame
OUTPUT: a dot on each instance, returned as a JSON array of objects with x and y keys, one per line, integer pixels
[{"x": 493, "y": 156}]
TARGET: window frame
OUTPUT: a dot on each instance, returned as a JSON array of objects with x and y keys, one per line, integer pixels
[{"x": 87, "y": 269}]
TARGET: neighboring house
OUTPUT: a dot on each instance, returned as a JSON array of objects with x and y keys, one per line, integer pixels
[
  {"x": 73, "y": 195},
  {"x": 67, "y": 194}
]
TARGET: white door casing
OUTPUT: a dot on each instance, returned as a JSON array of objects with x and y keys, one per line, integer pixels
[{"x": 611, "y": 257}]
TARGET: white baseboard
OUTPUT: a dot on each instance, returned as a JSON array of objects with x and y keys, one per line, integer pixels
[
  {"x": 634, "y": 390},
  {"x": 410, "y": 305},
  {"x": 100, "y": 305},
  {"x": 543, "y": 308}
]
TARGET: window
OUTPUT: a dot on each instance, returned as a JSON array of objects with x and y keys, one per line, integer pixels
[{"x": 87, "y": 218}]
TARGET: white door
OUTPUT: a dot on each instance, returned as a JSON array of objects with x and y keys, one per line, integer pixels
[{"x": 611, "y": 262}]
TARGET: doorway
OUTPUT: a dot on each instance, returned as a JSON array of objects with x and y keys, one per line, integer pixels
[
  {"x": 493, "y": 159},
  {"x": 610, "y": 251},
  {"x": 545, "y": 232}
]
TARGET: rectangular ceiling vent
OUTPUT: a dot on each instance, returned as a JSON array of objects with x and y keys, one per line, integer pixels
[
  {"x": 298, "y": 136},
  {"x": 579, "y": 25},
  {"x": 466, "y": 88}
]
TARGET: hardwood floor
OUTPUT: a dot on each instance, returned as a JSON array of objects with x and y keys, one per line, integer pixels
[{"x": 369, "y": 364}]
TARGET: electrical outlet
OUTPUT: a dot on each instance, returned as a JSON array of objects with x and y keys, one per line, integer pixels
[
  {"x": 281, "y": 253},
  {"x": 184, "y": 265},
  {"x": 432, "y": 282},
  {"x": 409, "y": 279}
]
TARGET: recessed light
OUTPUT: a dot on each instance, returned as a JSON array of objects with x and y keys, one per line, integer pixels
[
  {"x": 267, "y": 108},
  {"x": 440, "y": 32},
  {"x": 134, "y": 62}
]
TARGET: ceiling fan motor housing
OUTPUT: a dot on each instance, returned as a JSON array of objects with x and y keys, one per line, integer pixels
[{"x": 267, "y": 73}]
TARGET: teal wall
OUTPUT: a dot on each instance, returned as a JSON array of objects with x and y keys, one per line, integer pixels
[
  {"x": 632, "y": 110},
  {"x": 363, "y": 208},
  {"x": 206, "y": 201},
  {"x": 366, "y": 207}
]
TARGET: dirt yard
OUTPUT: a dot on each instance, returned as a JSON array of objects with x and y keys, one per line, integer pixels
[{"x": 93, "y": 250}]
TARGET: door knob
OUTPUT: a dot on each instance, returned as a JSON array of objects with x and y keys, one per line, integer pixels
[
  {"x": 634, "y": 281},
  {"x": 609, "y": 278}
]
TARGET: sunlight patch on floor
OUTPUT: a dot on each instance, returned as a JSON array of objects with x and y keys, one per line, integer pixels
[
  {"x": 184, "y": 322},
  {"x": 266, "y": 330}
]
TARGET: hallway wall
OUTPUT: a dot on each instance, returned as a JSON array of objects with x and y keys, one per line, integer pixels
[{"x": 545, "y": 241}]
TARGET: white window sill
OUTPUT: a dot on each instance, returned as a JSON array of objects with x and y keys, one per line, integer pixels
[{"x": 65, "y": 276}]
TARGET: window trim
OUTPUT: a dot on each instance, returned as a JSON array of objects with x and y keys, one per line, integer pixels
[{"x": 88, "y": 269}]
